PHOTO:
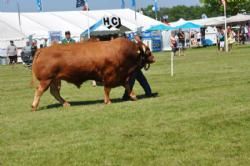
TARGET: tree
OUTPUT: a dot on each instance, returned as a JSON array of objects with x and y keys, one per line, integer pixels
[
  {"x": 233, "y": 6},
  {"x": 177, "y": 12}
]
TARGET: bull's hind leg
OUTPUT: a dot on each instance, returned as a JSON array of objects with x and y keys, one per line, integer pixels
[
  {"x": 41, "y": 88},
  {"x": 55, "y": 87},
  {"x": 130, "y": 92},
  {"x": 106, "y": 95}
]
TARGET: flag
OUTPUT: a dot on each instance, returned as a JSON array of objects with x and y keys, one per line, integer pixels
[
  {"x": 223, "y": 2},
  {"x": 84, "y": 3},
  {"x": 39, "y": 5},
  {"x": 133, "y": 3},
  {"x": 156, "y": 5},
  {"x": 123, "y": 4},
  {"x": 80, "y": 3}
]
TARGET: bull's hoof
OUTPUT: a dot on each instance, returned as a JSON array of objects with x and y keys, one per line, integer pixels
[
  {"x": 107, "y": 102},
  {"x": 66, "y": 104},
  {"x": 133, "y": 98},
  {"x": 33, "y": 108}
]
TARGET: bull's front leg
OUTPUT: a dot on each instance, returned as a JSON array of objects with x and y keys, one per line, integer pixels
[{"x": 106, "y": 95}]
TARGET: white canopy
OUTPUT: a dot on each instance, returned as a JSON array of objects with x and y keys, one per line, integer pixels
[
  {"x": 238, "y": 18},
  {"x": 210, "y": 21},
  {"x": 9, "y": 33},
  {"x": 39, "y": 24}
]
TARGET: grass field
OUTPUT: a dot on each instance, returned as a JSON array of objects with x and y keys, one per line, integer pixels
[{"x": 201, "y": 117}]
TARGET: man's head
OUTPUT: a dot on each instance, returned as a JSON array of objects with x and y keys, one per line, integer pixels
[
  {"x": 11, "y": 42},
  {"x": 67, "y": 35}
]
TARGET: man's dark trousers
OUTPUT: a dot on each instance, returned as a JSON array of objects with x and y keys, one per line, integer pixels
[{"x": 139, "y": 76}]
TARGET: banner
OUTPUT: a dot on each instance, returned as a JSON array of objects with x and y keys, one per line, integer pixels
[
  {"x": 133, "y": 3},
  {"x": 55, "y": 36},
  {"x": 123, "y": 4},
  {"x": 80, "y": 3}
]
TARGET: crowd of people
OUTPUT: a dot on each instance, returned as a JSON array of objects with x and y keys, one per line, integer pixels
[
  {"x": 240, "y": 35},
  {"x": 177, "y": 42}
]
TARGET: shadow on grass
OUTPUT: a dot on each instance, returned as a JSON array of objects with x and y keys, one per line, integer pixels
[{"x": 82, "y": 103}]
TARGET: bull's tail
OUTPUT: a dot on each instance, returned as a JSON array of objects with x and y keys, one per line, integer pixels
[{"x": 33, "y": 80}]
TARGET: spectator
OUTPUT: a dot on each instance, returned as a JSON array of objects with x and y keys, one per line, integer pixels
[
  {"x": 68, "y": 38},
  {"x": 139, "y": 76},
  {"x": 45, "y": 43},
  {"x": 12, "y": 53},
  {"x": 181, "y": 42},
  {"x": 26, "y": 54},
  {"x": 242, "y": 35},
  {"x": 173, "y": 43},
  {"x": 33, "y": 48},
  {"x": 231, "y": 38},
  {"x": 222, "y": 40},
  {"x": 218, "y": 36}
]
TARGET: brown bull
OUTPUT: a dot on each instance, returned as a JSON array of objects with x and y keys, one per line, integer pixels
[{"x": 111, "y": 62}]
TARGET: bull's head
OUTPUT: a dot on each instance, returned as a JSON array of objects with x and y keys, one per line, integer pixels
[{"x": 146, "y": 54}]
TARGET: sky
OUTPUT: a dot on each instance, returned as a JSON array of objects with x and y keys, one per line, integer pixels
[{"x": 61, "y": 5}]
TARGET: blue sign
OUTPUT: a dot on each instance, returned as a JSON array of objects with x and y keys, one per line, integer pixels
[
  {"x": 55, "y": 36},
  {"x": 156, "y": 45},
  {"x": 156, "y": 41},
  {"x": 146, "y": 35}
]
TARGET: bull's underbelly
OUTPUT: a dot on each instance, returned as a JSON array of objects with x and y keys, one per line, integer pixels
[{"x": 110, "y": 80}]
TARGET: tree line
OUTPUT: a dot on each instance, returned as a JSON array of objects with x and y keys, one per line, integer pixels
[{"x": 210, "y": 8}]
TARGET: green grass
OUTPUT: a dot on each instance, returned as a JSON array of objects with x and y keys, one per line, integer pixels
[{"x": 201, "y": 117}]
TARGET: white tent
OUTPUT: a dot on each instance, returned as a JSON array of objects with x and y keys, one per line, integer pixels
[
  {"x": 210, "y": 21},
  {"x": 238, "y": 18},
  {"x": 39, "y": 24},
  {"x": 181, "y": 21}
]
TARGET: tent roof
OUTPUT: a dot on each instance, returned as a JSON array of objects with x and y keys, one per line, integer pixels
[
  {"x": 9, "y": 33},
  {"x": 160, "y": 27},
  {"x": 188, "y": 25},
  {"x": 39, "y": 24},
  {"x": 238, "y": 18}
]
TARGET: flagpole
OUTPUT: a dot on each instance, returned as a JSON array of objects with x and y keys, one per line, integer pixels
[
  {"x": 225, "y": 15},
  {"x": 42, "y": 6},
  {"x": 88, "y": 21},
  {"x": 135, "y": 13},
  {"x": 19, "y": 15}
]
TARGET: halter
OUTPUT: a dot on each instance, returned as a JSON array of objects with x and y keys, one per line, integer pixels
[{"x": 143, "y": 63}]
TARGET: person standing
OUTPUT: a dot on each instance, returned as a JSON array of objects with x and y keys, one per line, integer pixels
[
  {"x": 68, "y": 38},
  {"x": 12, "y": 52},
  {"x": 45, "y": 43},
  {"x": 218, "y": 36},
  {"x": 33, "y": 48},
  {"x": 231, "y": 38},
  {"x": 222, "y": 40},
  {"x": 173, "y": 43},
  {"x": 181, "y": 42}
]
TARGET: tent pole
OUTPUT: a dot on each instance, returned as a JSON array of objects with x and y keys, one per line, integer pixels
[{"x": 225, "y": 15}]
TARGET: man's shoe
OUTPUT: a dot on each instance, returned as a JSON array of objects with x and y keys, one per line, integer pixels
[
  {"x": 125, "y": 98},
  {"x": 152, "y": 94}
]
